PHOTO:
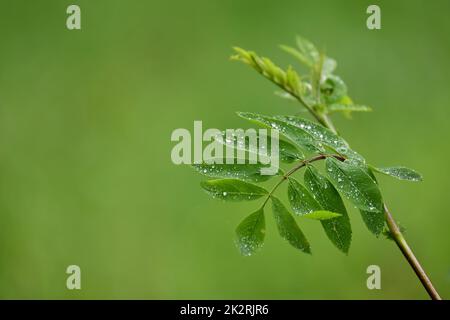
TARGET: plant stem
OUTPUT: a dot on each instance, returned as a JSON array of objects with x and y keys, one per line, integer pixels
[
  {"x": 409, "y": 255},
  {"x": 328, "y": 123},
  {"x": 398, "y": 237},
  {"x": 300, "y": 165}
]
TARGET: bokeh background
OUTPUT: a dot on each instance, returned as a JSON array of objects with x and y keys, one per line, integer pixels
[{"x": 85, "y": 124}]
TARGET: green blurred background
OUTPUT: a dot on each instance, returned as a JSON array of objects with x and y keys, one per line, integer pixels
[{"x": 85, "y": 124}]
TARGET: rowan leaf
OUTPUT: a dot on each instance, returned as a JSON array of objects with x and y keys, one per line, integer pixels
[
  {"x": 233, "y": 190},
  {"x": 333, "y": 89},
  {"x": 339, "y": 229},
  {"x": 322, "y": 136},
  {"x": 355, "y": 184},
  {"x": 288, "y": 228},
  {"x": 261, "y": 64},
  {"x": 246, "y": 172},
  {"x": 322, "y": 215},
  {"x": 301, "y": 200},
  {"x": 400, "y": 172},
  {"x": 296, "y": 134},
  {"x": 251, "y": 232},
  {"x": 297, "y": 54},
  {"x": 308, "y": 49},
  {"x": 374, "y": 221},
  {"x": 329, "y": 65},
  {"x": 261, "y": 145},
  {"x": 336, "y": 107},
  {"x": 293, "y": 81}
]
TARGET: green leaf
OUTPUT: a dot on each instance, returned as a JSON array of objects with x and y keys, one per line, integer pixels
[
  {"x": 348, "y": 108},
  {"x": 354, "y": 182},
  {"x": 248, "y": 57},
  {"x": 272, "y": 71},
  {"x": 374, "y": 221},
  {"x": 346, "y": 100},
  {"x": 304, "y": 204},
  {"x": 293, "y": 81},
  {"x": 246, "y": 172},
  {"x": 338, "y": 229},
  {"x": 317, "y": 76},
  {"x": 401, "y": 173},
  {"x": 307, "y": 54},
  {"x": 286, "y": 95},
  {"x": 297, "y": 135},
  {"x": 322, "y": 215},
  {"x": 251, "y": 232},
  {"x": 261, "y": 64},
  {"x": 333, "y": 89},
  {"x": 329, "y": 65},
  {"x": 308, "y": 49},
  {"x": 301, "y": 200},
  {"x": 233, "y": 190},
  {"x": 297, "y": 54},
  {"x": 322, "y": 135},
  {"x": 243, "y": 55},
  {"x": 288, "y": 228},
  {"x": 287, "y": 151}
]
